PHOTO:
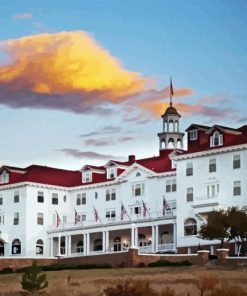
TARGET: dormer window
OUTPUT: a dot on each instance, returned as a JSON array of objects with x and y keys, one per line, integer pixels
[
  {"x": 87, "y": 176},
  {"x": 111, "y": 173},
  {"x": 193, "y": 135},
  {"x": 4, "y": 178},
  {"x": 216, "y": 139}
]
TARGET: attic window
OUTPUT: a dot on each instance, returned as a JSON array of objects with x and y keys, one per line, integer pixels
[
  {"x": 87, "y": 176},
  {"x": 138, "y": 174},
  {"x": 4, "y": 178},
  {"x": 111, "y": 173},
  {"x": 216, "y": 139},
  {"x": 193, "y": 135}
]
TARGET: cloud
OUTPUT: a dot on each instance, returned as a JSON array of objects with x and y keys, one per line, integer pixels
[
  {"x": 88, "y": 154},
  {"x": 109, "y": 129},
  {"x": 66, "y": 71},
  {"x": 107, "y": 141},
  {"x": 22, "y": 16}
]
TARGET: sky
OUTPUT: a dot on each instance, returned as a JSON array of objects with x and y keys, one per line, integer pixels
[{"x": 82, "y": 82}]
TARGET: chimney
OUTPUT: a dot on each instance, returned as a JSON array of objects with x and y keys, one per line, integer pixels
[{"x": 132, "y": 158}]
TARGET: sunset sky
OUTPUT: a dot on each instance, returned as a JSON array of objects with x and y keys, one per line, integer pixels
[{"x": 82, "y": 82}]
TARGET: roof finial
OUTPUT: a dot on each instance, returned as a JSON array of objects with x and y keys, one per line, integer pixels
[{"x": 171, "y": 91}]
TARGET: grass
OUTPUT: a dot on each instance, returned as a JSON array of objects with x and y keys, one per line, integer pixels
[{"x": 183, "y": 280}]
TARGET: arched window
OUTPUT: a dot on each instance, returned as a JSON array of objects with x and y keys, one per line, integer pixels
[
  {"x": 98, "y": 246},
  {"x": 163, "y": 144},
  {"x": 62, "y": 248},
  {"x": 171, "y": 143},
  {"x": 170, "y": 127},
  {"x": 179, "y": 144},
  {"x": 40, "y": 247},
  {"x": 190, "y": 227},
  {"x": 79, "y": 247},
  {"x": 216, "y": 139},
  {"x": 16, "y": 247},
  {"x": 138, "y": 174},
  {"x": 176, "y": 126}
]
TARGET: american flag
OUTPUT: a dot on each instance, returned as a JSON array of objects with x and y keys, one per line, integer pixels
[
  {"x": 77, "y": 217},
  {"x": 165, "y": 206},
  {"x": 145, "y": 210},
  {"x": 59, "y": 221},
  {"x": 96, "y": 215},
  {"x": 123, "y": 211}
]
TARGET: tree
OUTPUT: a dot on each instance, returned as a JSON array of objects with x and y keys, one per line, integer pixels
[
  {"x": 31, "y": 280},
  {"x": 215, "y": 228}
]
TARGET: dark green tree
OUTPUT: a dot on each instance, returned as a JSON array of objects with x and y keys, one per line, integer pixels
[
  {"x": 33, "y": 281},
  {"x": 216, "y": 227}
]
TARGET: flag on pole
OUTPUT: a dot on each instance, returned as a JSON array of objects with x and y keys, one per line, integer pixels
[
  {"x": 77, "y": 217},
  {"x": 123, "y": 212},
  {"x": 171, "y": 87},
  {"x": 165, "y": 206},
  {"x": 59, "y": 221},
  {"x": 96, "y": 215},
  {"x": 145, "y": 210}
]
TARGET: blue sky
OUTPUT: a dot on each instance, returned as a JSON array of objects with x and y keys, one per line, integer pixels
[{"x": 201, "y": 44}]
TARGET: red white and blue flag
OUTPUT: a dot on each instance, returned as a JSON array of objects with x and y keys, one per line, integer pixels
[
  {"x": 165, "y": 206},
  {"x": 96, "y": 215},
  {"x": 145, "y": 210},
  {"x": 58, "y": 220},
  {"x": 77, "y": 217},
  {"x": 123, "y": 212}
]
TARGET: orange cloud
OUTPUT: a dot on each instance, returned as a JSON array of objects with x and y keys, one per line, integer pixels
[{"x": 67, "y": 62}]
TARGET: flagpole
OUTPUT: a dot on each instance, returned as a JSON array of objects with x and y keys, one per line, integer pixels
[
  {"x": 171, "y": 91},
  {"x": 122, "y": 205}
]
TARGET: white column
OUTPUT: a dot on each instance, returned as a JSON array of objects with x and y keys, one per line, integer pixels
[
  {"x": 107, "y": 241},
  {"x": 153, "y": 239},
  {"x": 59, "y": 245},
  {"x": 103, "y": 241},
  {"x": 52, "y": 247},
  {"x": 175, "y": 236},
  {"x": 88, "y": 243},
  {"x": 69, "y": 245},
  {"x": 66, "y": 246},
  {"x": 84, "y": 244},
  {"x": 133, "y": 236},
  {"x": 157, "y": 237},
  {"x": 136, "y": 237}
]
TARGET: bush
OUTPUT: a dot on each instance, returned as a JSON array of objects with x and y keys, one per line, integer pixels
[
  {"x": 141, "y": 265},
  {"x": 136, "y": 288},
  {"x": 6, "y": 270},
  {"x": 61, "y": 266},
  {"x": 161, "y": 263}
]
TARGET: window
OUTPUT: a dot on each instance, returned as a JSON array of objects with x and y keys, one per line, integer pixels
[
  {"x": 137, "y": 210},
  {"x": 171, "y": 185},
  {"x": 96, "y": 195},
  {"x": 236, "y": 161},
  {"x": 64, "y": 219},
  {"x": 213, "y": 190},
  {"x": 216, "y": 139},
  {"x": 16, "y": 247},
  {"x": 4, "y": 178},
  {"x": 83, "y": 199},
  {"x": 16, "y": 218},
  {"x": 40, "y": 219},
  {"x": 79, "y": 247},
  {"x": 111, "y": 173},
  {"x": 2, "y": 219},
  {"x": 237, "y": 188},
  {"x": 83, "y": 217},
  {"x": 138, "y": 174},
  {"x": 189, "y": 169},
  {"x": 16, "y": 196},
  {"x": 138, "y": 189},
  {"x": 193, "y": 135},
  {"x": 39, "y": 247},
  {"x": 64, "y": 198},
  {"x": 190, "y": 227},
  {"x": 1, "y": 201},
  {"x": 78, "y": 200},
  {"x": 212, "y": 165},
  {"x": 87, "y": 176},
  {"x": 110, "y": 194},
  {"x": 110, "y": 214},
  {"x": 189, "y": 196},
  {"x": 54, "y": 199},
  {"x": 40, "y": 197}
]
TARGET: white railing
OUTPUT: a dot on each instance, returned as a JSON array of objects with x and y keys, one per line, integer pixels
[
  {"x": 145, "y": 249},
  {"x": 166, "y": 247}
]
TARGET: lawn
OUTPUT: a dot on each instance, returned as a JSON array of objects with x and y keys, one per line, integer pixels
[{"x": 92, "y": 282}]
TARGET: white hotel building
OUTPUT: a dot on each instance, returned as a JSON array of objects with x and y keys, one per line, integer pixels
[{"x": 165, "y": 197}]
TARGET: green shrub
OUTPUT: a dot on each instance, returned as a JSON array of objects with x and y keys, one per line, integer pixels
[
  {"x": 6, "y": 270},
  {"x": 32, "y": 281},
  {"x": 161, "y": 263}
]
